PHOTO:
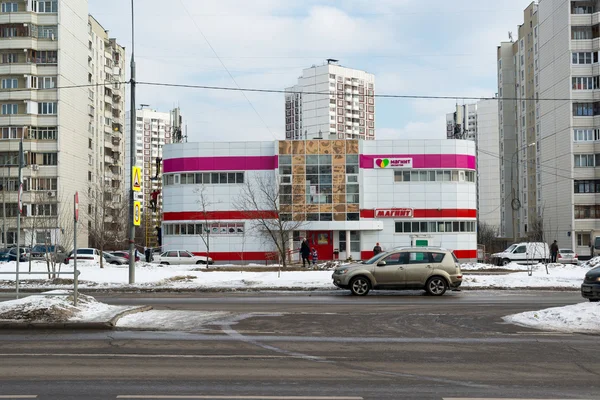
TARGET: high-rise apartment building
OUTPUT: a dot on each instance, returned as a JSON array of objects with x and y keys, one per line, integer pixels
[
  {"x": 107, "y": 206},
  {"x": 519, "y": 114},
  {"x": 43, "y": 60},
  {"x": 331, "y": 102},
  {"x": 154, "y": 129},
  {"x": 569, "y": 86},
  {"x": 479, "y": 123}
]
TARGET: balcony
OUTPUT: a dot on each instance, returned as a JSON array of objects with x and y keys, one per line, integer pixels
[
  {"x": 348, "y": 107},
  {"x": 582, "y": 19},
  {"x": 348, "y": 115},
  {"x": 583, "y": 44},
  {"x": 348, "y": 91}
]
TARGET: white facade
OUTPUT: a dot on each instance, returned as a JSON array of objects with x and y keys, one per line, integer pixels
[
  {"x": 570, "y": 130},
  {"x": 44, "y": 48},
  {"x": 488, "y": 163},
  {"x": 344, "y": 110},
  {"x": 407, "y": 193},
  {"x": 106, "y": 65}
]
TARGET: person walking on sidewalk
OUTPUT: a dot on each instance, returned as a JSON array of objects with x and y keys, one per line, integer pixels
[
  {"x": 377, "y": 249},
  {"x": 554, "y": 251},
  {"x": 305, "y": 252}
]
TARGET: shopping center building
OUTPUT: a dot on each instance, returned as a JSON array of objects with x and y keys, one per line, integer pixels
[{"x": 350, "y": 194}]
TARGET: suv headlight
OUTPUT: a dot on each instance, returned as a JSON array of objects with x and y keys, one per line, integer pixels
[{"x": 341, "y": 271}]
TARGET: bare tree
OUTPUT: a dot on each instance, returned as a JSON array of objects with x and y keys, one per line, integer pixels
[
  {"x": 487, "y": 235},
  {"x": 204, "y": 205},
  {"x": 107, "y": 217},
  {"x": 259, "y": 199}
]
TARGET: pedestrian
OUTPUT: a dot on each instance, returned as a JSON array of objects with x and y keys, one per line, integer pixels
[
  {"x": 377, "y": 249},
  {"x": 154, "y": 199},
  {"x": 305, "y": 252},
  {"x": 314, "y": 255},
  {"x": 554, "y": 251}
]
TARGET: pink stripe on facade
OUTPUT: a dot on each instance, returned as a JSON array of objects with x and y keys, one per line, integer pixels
[
  {"x": 234, "y": 163},
  {"x": 424, "y": 160}
]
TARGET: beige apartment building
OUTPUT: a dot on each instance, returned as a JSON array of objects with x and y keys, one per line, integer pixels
[{"x": 47, "y": 51}]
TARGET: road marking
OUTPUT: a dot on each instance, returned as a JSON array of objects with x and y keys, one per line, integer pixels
[
  {"x": 18, "y": 396},
  {"x": 193, "y": 356},
  {"x": 239, "y": 397}
]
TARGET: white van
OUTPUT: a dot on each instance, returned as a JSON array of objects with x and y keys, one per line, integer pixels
[{"x": 527, "y": 252}]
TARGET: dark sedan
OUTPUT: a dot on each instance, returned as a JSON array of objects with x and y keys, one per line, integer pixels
[{"x": 590, "y": 288}]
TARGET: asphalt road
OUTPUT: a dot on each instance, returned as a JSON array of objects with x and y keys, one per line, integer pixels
[{"x": 309, "y": 346}]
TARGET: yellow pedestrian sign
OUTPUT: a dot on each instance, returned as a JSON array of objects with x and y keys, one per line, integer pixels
[
  {"x": 137, "y": 179},
  {"x": 137, "y": 213}
]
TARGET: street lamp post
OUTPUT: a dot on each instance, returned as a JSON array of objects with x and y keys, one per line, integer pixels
[
  {"x": 132, "y": 121},
  {"x": 515, "y": 202}
]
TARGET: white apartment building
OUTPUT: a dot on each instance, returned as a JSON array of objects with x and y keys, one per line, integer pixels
[
  {"x": 154, "y": 129},
  {"x": 519, "y": 119},
  {"x": 331, "y": 102},
  {"x": 43, "y": 48},
  {"x": 478, "y": 122},
  {"x": 570, "y": 129},
  {"x": 106, "y": 173}
]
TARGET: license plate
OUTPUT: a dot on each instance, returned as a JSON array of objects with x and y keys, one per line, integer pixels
[{"x": 586, "y": 289}]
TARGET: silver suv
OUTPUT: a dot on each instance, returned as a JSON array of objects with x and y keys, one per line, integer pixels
[{"x": 432, "y": 269}]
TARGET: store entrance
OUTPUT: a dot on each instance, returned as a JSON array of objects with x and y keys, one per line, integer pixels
[{"x": 322, "y": 241}]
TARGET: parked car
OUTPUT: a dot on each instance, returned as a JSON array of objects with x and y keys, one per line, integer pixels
[
  {"x": 590, "y": 288},
  {"x": 87, "y": 254},
  {"x": 125, "y": 254},
  {"x": 24, "y": 251},
  {"x": 567, "y": 256},
  {"x": 181, "y": 257},
  {"x": 115, "y": 260},
  {"x": 52, "y": 252},
  {"x": 433, "y": 269},
  {"x": 4, "y": 256},
  {"x": 527, "y": 252}
]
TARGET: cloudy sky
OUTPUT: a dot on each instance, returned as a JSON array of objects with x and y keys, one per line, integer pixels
[{"x": 414, "y": 47}]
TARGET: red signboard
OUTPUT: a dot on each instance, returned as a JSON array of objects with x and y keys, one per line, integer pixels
[
  {"x": 394, "y": 213},
  {"x": 76, "y": 206}
]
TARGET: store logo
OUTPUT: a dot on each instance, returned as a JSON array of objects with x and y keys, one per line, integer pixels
[
  {"x": 393, "y": 213},
  {"x": 382, "y": 163},
  {"x": 393, "y": 162}
]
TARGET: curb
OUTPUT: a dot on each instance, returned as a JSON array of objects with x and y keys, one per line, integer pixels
[{"x": 98, "y": 326}]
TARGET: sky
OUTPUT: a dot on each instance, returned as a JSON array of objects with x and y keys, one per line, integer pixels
[{"x": 433, "y": 48}]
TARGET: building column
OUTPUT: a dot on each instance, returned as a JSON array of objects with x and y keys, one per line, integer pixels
[{"x": 347, "y": 245}]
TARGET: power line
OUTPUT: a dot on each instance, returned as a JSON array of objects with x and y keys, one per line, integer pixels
[
  {"x": 390, "y": 96},
  {"x": 225, "y": 68},
  {"x": 63, "y": 87}
]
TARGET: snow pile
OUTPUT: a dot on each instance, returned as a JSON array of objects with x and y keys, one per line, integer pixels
[
  {"x": 592, "y": 263},
  {"x": 582, "y": 317},
  {"x": 57, "y": 306},
  {"x": 482, "y": 267},
  {"x": 558, "y": 276}
]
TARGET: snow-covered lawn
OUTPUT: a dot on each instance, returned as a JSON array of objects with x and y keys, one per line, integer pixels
[
  {"x": 582, "y": 317},
  {"x": 57, "y": 306},
  {"x": 173, "y": 277}
]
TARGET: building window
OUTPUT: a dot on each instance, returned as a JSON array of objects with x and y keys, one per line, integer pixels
[
  {"x": 434, "y": 226},
  {"x": 49, "y": 82},
  {"x": 47, "y": 6},
  {"x": 9, "y": 7},
  {"x": 587, "y": 212},
  {"x": 585, "y": 109},
  {"x": 583, "y": 240},
  {"x": 584, "y": 160},
  {"x": 8, "y": 132},
  {"x": 43, "y": 133},
  {"x": 584, "y": 57},
  {"x": 585, "y": 83},
  {"x": 434, "y": 176},
  {"x": 10, "y": 109},
  {"x": 206, "y": 178},
  {"x": 586, "y": 135},
  {"x": 354, "y": 241},
  {"x": 10, "y": 58},
  {"x": 46, "y": 108},
  {"x": 197, "y": 229},
  {"x": 589, "y": 186},
  {"x": 10, "y": 83}
]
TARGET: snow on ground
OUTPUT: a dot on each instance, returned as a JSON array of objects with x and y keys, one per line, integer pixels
[
  {"x": 171, "y": 320},
  {"x": 582, "y": 317},
  {"x": 594, "y": 262},
  {"x": 480, "y": 266},
  {"x": 173, "y": 277},
  {"x": 57, "y": 306}
]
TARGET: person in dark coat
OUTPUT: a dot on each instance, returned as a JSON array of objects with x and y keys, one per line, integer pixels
[
  {"x": 305, "y": 252},
  {"x": 554, "y": 251},
  {"x": 377, "y": 249}
]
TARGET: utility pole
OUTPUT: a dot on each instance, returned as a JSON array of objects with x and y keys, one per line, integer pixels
[{"x": 132, "y": 121}]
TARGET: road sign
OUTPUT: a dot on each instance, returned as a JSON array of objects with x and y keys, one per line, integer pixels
[
  {"x": 422, "y": 243},
  {"x": 137, "y": 179},
  {"x": 76, "y": 206},
  {"x": 137, "y": 213}
]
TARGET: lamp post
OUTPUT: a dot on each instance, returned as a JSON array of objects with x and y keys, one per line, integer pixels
[{"x": 132, "y": 121}]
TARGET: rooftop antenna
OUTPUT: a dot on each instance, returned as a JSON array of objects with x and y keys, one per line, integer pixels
[
  {"x": 510, "y": 36},
  {"x": 144, "y": 105},
  {"x": 332, "y": 61}
]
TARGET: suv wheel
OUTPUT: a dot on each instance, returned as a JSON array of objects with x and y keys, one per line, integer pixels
[
  {"x": 594, "y": 300},
  {"x": 360, "y": 286},
  {"x": 505, "y": 261},
  {"x": 436, "y": 286}
]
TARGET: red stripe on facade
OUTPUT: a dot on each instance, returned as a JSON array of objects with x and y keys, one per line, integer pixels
[
  {"x": 431, "y": 213},
  {"x": 241, "y": 256},
  {"x": 225, "y": 163},
  {"x": 460, "y": 254},
  {"x": 218, "y": 215}
]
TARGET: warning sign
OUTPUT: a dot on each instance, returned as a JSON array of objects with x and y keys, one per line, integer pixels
[
  {"x": 137, "y": 179},
  {"x": 137, "y": 213}
]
